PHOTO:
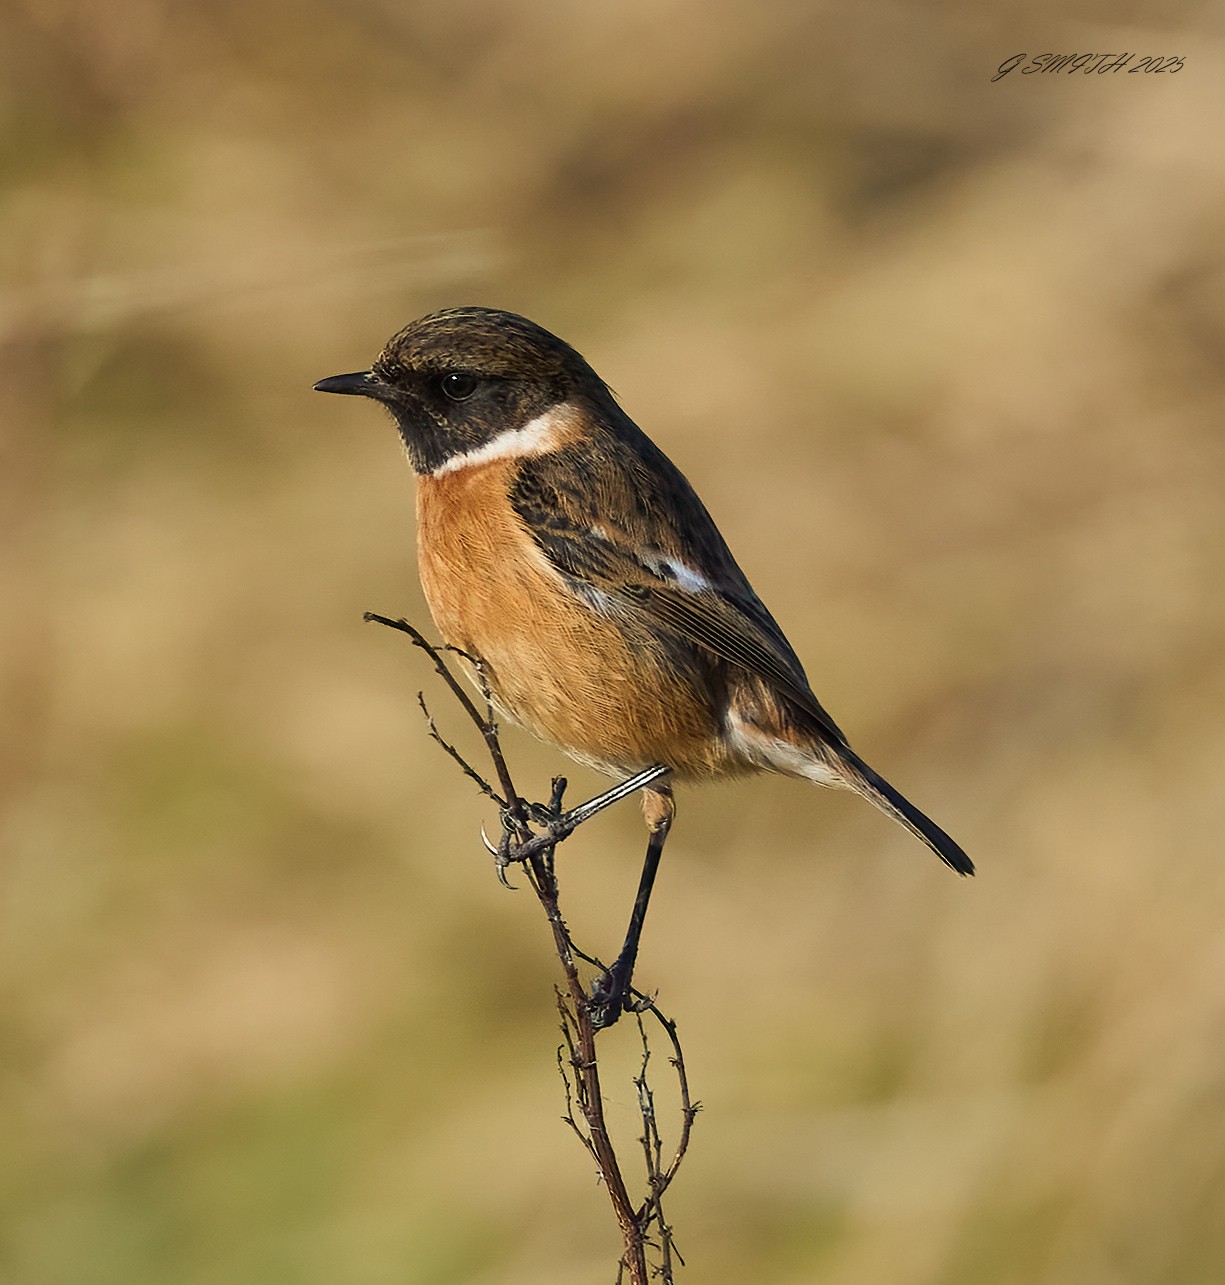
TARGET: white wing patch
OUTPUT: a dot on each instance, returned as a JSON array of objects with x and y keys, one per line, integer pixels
[
  {"x": 686, "y": 577},
  {"x": 678, "y": 573}
]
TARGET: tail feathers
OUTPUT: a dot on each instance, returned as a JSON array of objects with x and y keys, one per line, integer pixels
[{"x": 877, "y": 790}]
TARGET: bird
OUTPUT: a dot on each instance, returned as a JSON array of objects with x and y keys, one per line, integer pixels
[{"x": 559, "y": 545}]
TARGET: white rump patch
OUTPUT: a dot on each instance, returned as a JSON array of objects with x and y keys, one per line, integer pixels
[
  {"x": 538, "y": 436},
  {"x": 775, "y": 755}
]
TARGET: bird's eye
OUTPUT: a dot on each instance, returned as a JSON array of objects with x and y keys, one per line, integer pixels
[{"x": 458, "y": 385}]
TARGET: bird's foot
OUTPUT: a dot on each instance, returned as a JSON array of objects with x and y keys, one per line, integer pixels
[
  {"x": 518, "y": 844},
  {"x": 611, "y": 995}
]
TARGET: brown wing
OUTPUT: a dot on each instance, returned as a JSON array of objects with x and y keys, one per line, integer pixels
[{"x": 621, "y": 522}]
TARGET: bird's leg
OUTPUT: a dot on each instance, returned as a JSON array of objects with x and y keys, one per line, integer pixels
[
  {"x": 609, "y": 996},
  {"x": 563, "y": 824}
]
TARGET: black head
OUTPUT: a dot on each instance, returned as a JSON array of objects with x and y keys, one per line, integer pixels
[{"x": 457, "y": 379}]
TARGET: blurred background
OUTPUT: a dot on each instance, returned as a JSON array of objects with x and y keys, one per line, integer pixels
[{"x": 945, "y": 359}]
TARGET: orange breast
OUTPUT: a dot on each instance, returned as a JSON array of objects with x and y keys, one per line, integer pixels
[{"x": 554, "y": 663}]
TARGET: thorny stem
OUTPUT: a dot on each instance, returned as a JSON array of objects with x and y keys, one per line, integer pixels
[{"x": 577, "y": 1056}]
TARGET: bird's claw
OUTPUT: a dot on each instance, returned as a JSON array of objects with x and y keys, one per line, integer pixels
[
  {"x": 512, "y": 849},
  {"x": 501, "y": 853},
  {"x": 609, "y": 997}
]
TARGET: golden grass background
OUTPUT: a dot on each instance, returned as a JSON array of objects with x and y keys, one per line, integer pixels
[{"x": 945, "y": 359}]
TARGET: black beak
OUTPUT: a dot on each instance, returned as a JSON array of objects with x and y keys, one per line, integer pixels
[{"x": 361, "y": 383}]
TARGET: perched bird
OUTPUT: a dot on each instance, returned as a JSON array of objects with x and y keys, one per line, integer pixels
[{"x": 559, "y": 544}]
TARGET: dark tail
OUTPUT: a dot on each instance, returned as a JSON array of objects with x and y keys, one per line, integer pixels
[{"x": 877, "y": 790}]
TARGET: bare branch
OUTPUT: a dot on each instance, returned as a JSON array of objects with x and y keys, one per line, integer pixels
[{"x": 576, "y": 1057}]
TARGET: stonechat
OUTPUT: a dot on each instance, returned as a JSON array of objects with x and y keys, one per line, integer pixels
[{"x": 559, "y": 545}]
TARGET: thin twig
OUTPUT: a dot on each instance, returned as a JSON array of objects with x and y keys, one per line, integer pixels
[
  {"x": 565, "y": 1075},
  {"x": 486, "y": 726},
  {"x": 468, "y": 770},
  {"x": 689, "y": 1108}
]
